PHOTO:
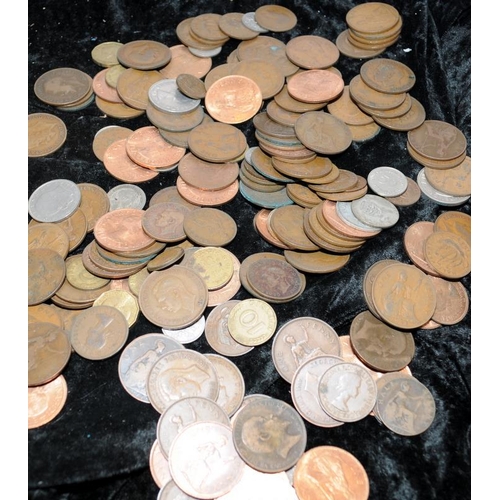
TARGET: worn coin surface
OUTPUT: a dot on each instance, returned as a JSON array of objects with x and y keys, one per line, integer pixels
[
  {"x": 318, "y": 262},
  {"x": 455, "y": 181},
  {"x": 46, "y": 274},
  {"x": 414, "y": 244},
  {"x": 213, "y": 264},
  {"x": 54, "y": 200},
  {"x": 208, "y": 226},
  {"x": 315, "y": 86},
  {"x": 275, "y": 18},
  {"x": 452, "y": 301},
  {"x": 134, "y": 84},
  {"x": 144, "y": 54},
  {"x": 123, "y": 300},
  {"x": 185, "y": 62},
  {"x": 375, "y": 211},
  {"x": 46, "y": 401},
  {"x": 106, "y": 136},
  {"x": 387, "y": 181},
  {"x": 438, "y": 196},
  {"x": 62, "y": 86},
  {"x": 46, "y": 134},
  {"x": 409, "y": 197},
  {"x": 455, "y": 222},
  {"x": 165, "y": 221},
  {"x": 48, "y": 235},
  {"x": 312, "y": 52},
  {"x": 158, "y": 465},
  {"x": 126, "y": 196},
  {"x": 387, "y": 75}
]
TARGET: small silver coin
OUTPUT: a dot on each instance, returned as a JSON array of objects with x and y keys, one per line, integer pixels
[
  {"x": 387, "y": 181},
  {"x": 344, "y": 211},
  {"x": 126, "y": 196},
  {"x": 248, "y": 20},
  {"x": 54, "y": 201},
  {"x": 189, "y": 334},
  {"x": 205, "y": 53},
  {"x": 375, "y": 211},
  {"x": 165, "y": 96},
  {"x": 438, "y": 196}
]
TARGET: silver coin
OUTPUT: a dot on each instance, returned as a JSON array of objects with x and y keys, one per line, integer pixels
[
  {"x": 170, "y": 491},
  {"x": 387, "y": 181},
  {"x": 205, "y": 53},
  {"x": 248, "y": 154},
  {"x": 137, "y": 359},
  {"x": 126, "y": 196},
  {"x": 165, "y": 96},
  {"x": 184, "y": 412},
  {"x": 375, "y": 211},
  {"x": 231, "y": 383},
  {"x": 437, "y": 196},
  {"x": 344, "y": 211},
  {"x": 54, "y": 201},
  {"x": 248, "y": 20},
  {"x": 189, "y": 334}
]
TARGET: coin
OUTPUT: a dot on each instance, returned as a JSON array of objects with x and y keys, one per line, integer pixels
[
  {"x": 169, "y": 194},
  {"x": 452, "y": 301},
  {"x": 455, "y": 222},
  {"x": 46, "y": 134},
  {"x": 126, "y": 196},
  {"x": 54, "y": 201},
  {"x": 387, "y": 181},
  {"x": 346, "y": 48},
  {"x": 158, "y": 465},
  {"x": 362, "y": 94},
  {"x": 315, "y": 86},
  {"x": 165, "y": 259},
  {"x": 134, "y": 84},
  {"x": 375, "y": 211},
  {"x": 454, "y": 181},
  {"x": 106, "y": 136},
  {"x": 189, "y": 334},
  {"x": 408, "y": 197},
  {"x": 94, "y": 203},
  {"x": 414, "y": 243},
  {"x": 122, "y": 300},
  {"x": 44, "y": 313},
  {"x": 387, "y": 75},
  {"x": 62, "y": 86},
  {"x": 232, "y": 25},
  {"x": 410, "y": 120},
  {"x": 165, "y": 222},
  {"x": 46, "y": 274},
  {"x": 118, "y": 110},
  {"x": 319, "y": 262},
  {"x": 185, "y": 62},
  {"x": 48, "y": 235},
  {"x": 265, "y": 74},
  {"x": 102, "y": 89},
  {"x": 79, "y": 277},
  {"x": 275, "y": 18},
  {"x": 284, "y": 428},
  {"x": 330, "y": 471},
  {"x": 438, "y": 196},
  {"x": 312, "y": 52},
  {"x": 45, "y": 402},
  {"x": 49, "y": 352},
  {"x": 144, "y": 54},
  {"x": 104, "y": 54},
  {"x": 209, "y": 227},
  {"x": 252, "y": 322}
]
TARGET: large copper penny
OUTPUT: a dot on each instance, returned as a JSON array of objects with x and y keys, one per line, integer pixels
[
  {"x": 365, "y": 95},
  {"x": 372, "y": 17},
  {"x": 158, "y": 465},
  {"x": 48, "y": 235},
  {"x": 312, "y": 52},
  {"x": 319, "y": 262},
  {"x": 62, "y": 86},
  {"x": 46, "y": 401},
  {"x": 264, "y": 73},
  {"x": 454, "y": 181},
  {"x": 275, "y": 18},
  {"x": 315, "y": 86},
  {"x": 387, "y": 75},
  {"x": 94, "y": 203},
  {"x": 210, "y": 227},
  {"x": 326, "y": 472},
  {"x": 455, "y": 222},
  {"x": 452, "y": 301},
  {"x": 173, "y": 298},
  {"x": 133, "y": 86},
  {"x": 165, "y": 221},
  {"x": 46, "y": 134},
  {"x": 46, "y": 274},
  {"x": 143, "y": 54},
  {"x": 185, "y": 62},
  {"x": 414, "y": 244}
]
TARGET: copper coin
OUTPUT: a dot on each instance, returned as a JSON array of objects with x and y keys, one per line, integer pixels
[
  {"x": 144, "y": 54},
  {"x": 46, "y": 134},
  {"x": 173, "y": 298},
  {"x": 410, "y": 120},
  {"x": 44, "y": 313},
  {"x": 232, "y": 25},
  {"x": 455, "y": 222},
  {"x": 275, "y": 18},
  {"x": 281, "y": 115},
  {"x": 49, "y": 351},
  {"x": 373, "y": 17},
  {"x": 233, "y": 99},
  {"x": 368, "y": 280},
  {"x": 330, "y": 472},
  {"x": 283, "y": 427},
  {"x": 79, "y": 277},
  {"x": 404, "y": 296},
  {"x": 46, "y": 274},
  {"x": 362, "y": 133},
  {"x": 217, "y": 332},
  {"x": 387, "y": 75},
  {"x": 169, "y": 194},
  {"x": 45, "y": 402},
  {"x": 106, "y": 136},
  {"x": 329, "y": 212},
  {"x": 99, "y": 332},
  {"x": 218, "y": 72},
  {"x": 396, "y": 112},
  {"x": 217, "y": 142},
  {"x": 48, "y": 235},
  {"x": 119, "y": 164},
  {"x": 319, "y": 262},
  {"x": 437, "y": 164},
  {"x": 102, "y": 89},
  {"x": 315, "y": 168},
  {"x": 94, "y": 203},
  {"x": 206, "y": 27},
  {"x": 379, "y": 346},
  {"x": 437, "y": 196},
  {"x": 186, "y": 35},
  {"x": 121, "y": 230},
  {"x": 404, "y": 404},
  {"x": 315, "y": 86},
  {"x": 117, "y": 110},
  {"x": 365, "y": 95},
  {"x": 165, "y": 259},
  {"x": 289, "y": 103},
  {"x": 437, "y": 140},
  {"x": 185, "y": 62},
  {"x": 165, "y": 222},
  {"x": 191, "y": 86},
  {"x": 414, "y": 244},
  {"x": 345, "y": 109},
  {"x": 158, "y": 465},
  {"x": 344, "y": 180},
  {"x": 261, "y": 225},
  {"x": 448, "y": 254},
  {"x": 265, "y": 74},
  {"x": 133, "y": 86},
  {"x": 454, "y": 181},
  {"x": 209, "y": 227},
  {"x": 312, "y": 52},
  {"x": 346, "y": 48},
  {"x": 452, "y": 301},
  {"x": 409, "y": 197},
  {"x": 302, "y": 195},
  {"x": 62, "y": 86},
  {"x": 205, "y": 198}
]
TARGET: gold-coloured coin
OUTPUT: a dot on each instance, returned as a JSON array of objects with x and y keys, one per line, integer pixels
[
  {"x": 104, "y": 54},
  {"x": 79, "y": 277},
  {"x": 136, "y": 280},
  {"x": 122, "y": 300}
]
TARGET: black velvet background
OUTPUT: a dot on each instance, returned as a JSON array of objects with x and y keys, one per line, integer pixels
[{"x": 99, "y": 445}]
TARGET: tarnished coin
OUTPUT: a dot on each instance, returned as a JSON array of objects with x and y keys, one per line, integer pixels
[
  {"x": 191, "y": 86},
  {"x": 269, "y": 435},
  {"x": 252, "y": 322},
  {"x": 203, "y": 460},
  {"x": 94, "y": 203},
  {"x": 54, "y": 200},
  {"x": 206, "y": 27},
  {"x": 404, "y": 296},
  {"x": 213, "y": 264},
  {"x": 387, "y": 75},
  {"x": 452, "y": 301},
  {"x": 137, "y": 359},
  {"x": 106, "y": 136},
  {"x": 173, "y": 298},
  {"x": 123, "y": 300},
  {"x": 300, "y": 340},
  {"x": 455, "y": 222},
  {"x": 104, "y": 54},
  {"x": 438, "y": 196},
  {"x": 126, "y": 196},
  {"x": 48, "y": 235},
  {"x": 347, "y": 49},
  {"x": 165, "y": 259},
  {"x": 232, "y": 25},
  {"x": 414, "y": 245},
  {"x": 46, "y": 274},
  {"x": 49, "y": 351},
  {"x": 165, "y": 222},
  {"x": 275, "y": 18},
  {"x": 158, "y": 465},
  {"x": 404, "y": 404},
  {"x": 364, "y": 95},
  {"x": 379, "y": 346},
  {"x": 448, "y": 254},
  {"x": 210, "y": 227},
  {"x": 312, "y": 52},
  {"x": 231, "y": 383},
  {"x": 134, "y": 84},
  {"x": 144, "y": 54},
  {"x": 319, "y": 262},
  {"x": 185, "y": 62},
  {"x": 372, "y": 17},
  {"x": 46, "y": 134},
  {"x": 62, "y": 86},
  {"x": 45, "y": 402},
  {"x": 454, "y": 181},
  {"x": 99, "y": 332},
  {"x": 265, "y": 74},
  {"x": 168, "y": 194},
  {"x": 230, "y": 289},
  {"x": 345, "y": 109},
  {"x": 305, "y": 390},
  {"x": 330, "y": 472},
  {"x": 375, "y": 211},
  {"x": 387, "y": 181},
  {"x": 45, "y": 313},
  {"x": 347, "y": 392},
  {"x": 249, "y": 21},
  {"x": 78, "y": 276},
  {"x": 189, "y": 334},
  {"x": 119, "y": 110},
  {"x": 183, "y": 412},
  {"x": 165, "y": 96},
  {"x": 217, "y": 332},
  {"x": 409, "y": 120},
  {"x": 409, "y": 197},
  {"x": 178, "y": 374}
]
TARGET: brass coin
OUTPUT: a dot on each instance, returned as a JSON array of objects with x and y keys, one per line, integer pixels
[
  {"x": 104, "y": 54},
  {"x": 46, "y": 134},
  {"x": 209, "y": 227},
  {"x": 78, "y": 276},
  {"x": 315, "y": 86},
  {"x": 46, "y": 401},
  {"x": 113, "y": 74},
  {"x": 144, "y": 54},
  {"x": 46, "y": 274},
  {"x": 122, "y": 300},
  {"x": 102, "y": 89},
  {"x": 319, "y": 262},
  {"x": 213, "y": 264},
  {"x": 62, "y": 86},
  {"x": 275, "y": 18}
]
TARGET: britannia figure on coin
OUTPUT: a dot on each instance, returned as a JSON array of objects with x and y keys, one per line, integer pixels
[
  {"x": 403, "y": 407},
  {"x": 301, "y": 350}
]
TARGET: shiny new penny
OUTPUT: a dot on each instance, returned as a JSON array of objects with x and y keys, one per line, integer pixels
[
  {"x": 312, "y": 52},
  {"x": 233, "y": 99},
  {"x": 269, "y": 434},
  {"x": 121, "y": 230},
  {"x": 62, "y": 86},
  {"x": 404, "y": 296},
  {"x": 300, "y": 340},
  {"x": 315, "y": 86},
  {"x": 144, "y": 54},
  {"x": 49, "y": 351},
  {"x": 209, "y": 227},
  {"x": 173, "y": 298},
  {"x": 137, "y": 359},
  {"x": 252, "y": 322},
  {"x": 46, "y": 134},
  {"x": 204, "y": 197},
  {"x": 379, "y": 346},
  {"x": 452, "y": 301},
  {"x": 106, "y": 136},
  {"x": 448, "y": 254},
  {"x": 414, "y": 245},
  {"x": 46, "y": 401},
  {"x": 330, "y": 472},
  {"x": 46, "y": 274}
]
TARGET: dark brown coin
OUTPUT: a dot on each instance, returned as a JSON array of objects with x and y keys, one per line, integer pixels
[
  {"x": 379, "y": 346},
  {"x": 362, "y": 94},
  {"x": 46, "y": 134},
  {"x": 48, "y": 235},
  {"x": 409, "y": 197},
  {"x": 319, "y": 262},
  {"x": 452, "y": 301},
  {"x": 191, "y": 86},
  {"x": 209, "y": 227},
  {"x": 49, "y": 351},
  {"x": 46, "y": 401},
  {"x": 387, "y": 75},
  {"x": 46, "y": 273},
  {"x": 206, "y": 27},
  {"x": 144, "y": 54},
  {"x": 312, "y": 52},
  {"x": 62, "y": 86}
]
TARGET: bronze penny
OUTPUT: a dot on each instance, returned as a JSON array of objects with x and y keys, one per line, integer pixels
[
  {"x": 448, "y": 254},
  {"x": 410, "y": 120},
  {"x": 454, "y": 181},
  {"x": 414, "y": 245},
  {"x": 382, "y": 348},
  {"x": 49, "y": 351},
  {"x": 186, "y": 35},
  {"x": 44, "y": 313},
  {"x": 455, "y": 222},
  {"x": 46, "y": 274},
  {"x": 314, "y": 168},
  {"x": 119, "y": 164},
  {"x": 315, "y": 86},
  {"x": 452, "y": 301},
  {"x": 218, "y": 72},
  {"x": 205, "y": 198},
  {"x": 345, "y": 180},
  {"x": 143, "y": 54},
  {"x": 169, "y": 194},
  {"x": 302, "y": 195},
  {"x": 404, "y": 296},
  {"x": 79, "y": 298},
  {"x": 209, "y": 227},
  {"x": 362, "y": 133},
  {"x": 158, "y": 465},
  {"x": 165, "y": 259},
  {"x": 62, "y": 86},
  {"x": 106, "y": 136},
  {"x": 265, "y": 74},
  {"x": 45, "y": 402},
  {"x": 345, "y": 109},
  {"x": 315, "y": 469},
  {"x": 94, "y": 204},
  {"x": 48, "y": 235},
  {"x": 133, "y": 86},
  {"x": 79, "y": 277},
  {"x": 319, "y": 262},
  {"x": 362, "y": 94},
  {"x": 185, "y": 62},
  {"x": 409, "y": 197},
  {"x": 231, "y": 24},
  {"x": 261, "y": 225},
  {"x": 173, "y": 298},
  {"x": 102, "y": 89},
  {"x": 312, "y": 52},
  {"x": 372, "y": 17},
  {"x": 75, "y": 227},
  {"x": 206, "y": 27},
  {"x": 437, "y": 164},
  {"x": 191, "y": 86},
  {"x": 271, "y": 129},
  {"x": 46, "y": 134},
  {"x": 275, "y": 18},
  {"x": 117, "y": 110},
  {"x": 165, "y": 222},
  {"x": 281, "y": 115},
  {"x": 287, "y": 102},
  {"x": 346, "y": 48},
  {"x": 387, "y": 75},
  {"x": 396, "y": 112}
]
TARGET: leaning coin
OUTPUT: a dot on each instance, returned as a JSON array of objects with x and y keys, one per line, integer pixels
[
  {"x": 46, "y": 401},
  {"x": 375, "y": 211},
  {"x": 137, "y": 359},
  {"x": 54, "y": 200},
  {"x": 387, "y": 181},
  {"x": 203, "y": 460},
  {"x": 272, "y": 417}
]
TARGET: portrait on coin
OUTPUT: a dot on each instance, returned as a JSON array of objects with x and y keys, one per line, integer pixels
[
  {"x": 181, "y": 382},
  {"x": 176, "y": 296},
  {"x": 342, "y": 388}
]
